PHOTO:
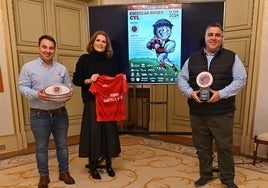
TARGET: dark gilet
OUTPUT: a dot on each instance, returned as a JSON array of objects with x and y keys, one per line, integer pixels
[{"x": 221, "y": 70}]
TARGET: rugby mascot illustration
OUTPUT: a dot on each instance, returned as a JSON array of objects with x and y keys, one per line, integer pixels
[{"x": 162, "y": 44}]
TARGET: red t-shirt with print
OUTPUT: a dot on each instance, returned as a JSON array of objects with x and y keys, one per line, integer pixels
[{"x": 110, "y": 97}]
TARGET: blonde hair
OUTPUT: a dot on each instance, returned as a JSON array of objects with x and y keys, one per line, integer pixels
[{"x": 108, "y": 50}]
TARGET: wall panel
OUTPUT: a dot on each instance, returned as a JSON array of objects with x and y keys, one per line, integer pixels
[
  {"x": 68, "y": 21},
  {"x": 240, "y": 46},
  {"x": 30, "y": 20},
  {"x": 238, "y": 14}
]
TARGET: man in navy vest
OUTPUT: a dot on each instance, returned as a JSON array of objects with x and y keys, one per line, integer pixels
[{"x": 213, "y": 119}]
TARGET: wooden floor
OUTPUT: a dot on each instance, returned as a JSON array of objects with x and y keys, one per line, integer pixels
[{"x": 184, "y": 140}]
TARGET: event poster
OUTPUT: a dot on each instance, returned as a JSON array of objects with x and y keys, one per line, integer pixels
[{"x": 154, "y": 43}]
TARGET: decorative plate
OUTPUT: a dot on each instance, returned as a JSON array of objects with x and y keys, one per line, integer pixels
[{"x": 204, "y": 79}]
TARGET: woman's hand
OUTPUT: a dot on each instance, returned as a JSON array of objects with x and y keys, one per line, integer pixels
[{"x": 93, "y": 78}]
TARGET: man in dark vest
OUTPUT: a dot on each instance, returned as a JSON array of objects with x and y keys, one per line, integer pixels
[{"x": 212, "y": 117}]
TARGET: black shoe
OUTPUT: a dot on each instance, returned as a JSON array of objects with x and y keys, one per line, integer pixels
[
  {"x": 202, "y": 181},
  {"x": 110, "y": 171},
  {"x": 94, "y": 173},
  {"x": 230, "y": 184}
]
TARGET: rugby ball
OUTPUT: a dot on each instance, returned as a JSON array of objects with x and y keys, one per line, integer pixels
[
  {"x": 62, "y": 99},
  {"x": 57, "y": 90},
  {"x": 170, "y": 46}
]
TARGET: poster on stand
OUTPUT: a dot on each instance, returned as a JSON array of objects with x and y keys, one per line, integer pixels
[{"x": 154, "y": 43}]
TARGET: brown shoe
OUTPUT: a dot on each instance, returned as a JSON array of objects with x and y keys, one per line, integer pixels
[
  {"x": 66, "y": 177},
  {"x": 43, "y": 182}
]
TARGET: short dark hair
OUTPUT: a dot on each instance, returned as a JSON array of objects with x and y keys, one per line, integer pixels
[
  {"x": 215, "y": 25},
  {"x": 48, "y": 37}
]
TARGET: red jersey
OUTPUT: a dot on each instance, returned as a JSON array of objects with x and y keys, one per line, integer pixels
[{"x": 110, "y": 97}]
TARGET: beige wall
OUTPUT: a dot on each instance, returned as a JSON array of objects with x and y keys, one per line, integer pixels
[
  {"x": 5, "y": 100},
  {"x": 261, "y": 110},
  {"x": 245, "y": 31},
  {"x": 11, "y": 134},
  {"x": 262, "y": 89}
]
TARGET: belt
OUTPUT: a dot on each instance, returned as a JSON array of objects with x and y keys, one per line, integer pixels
[{"x": 52, "y": 111}]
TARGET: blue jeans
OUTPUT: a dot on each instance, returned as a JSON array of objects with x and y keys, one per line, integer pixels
[{"x": 42, "y": 126}]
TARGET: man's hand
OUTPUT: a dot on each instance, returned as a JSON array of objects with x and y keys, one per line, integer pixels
[
  {"x": 215, "y": 96},
  {"x": 195, "y": 96},
  {"x": 41, "y": 95}
]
